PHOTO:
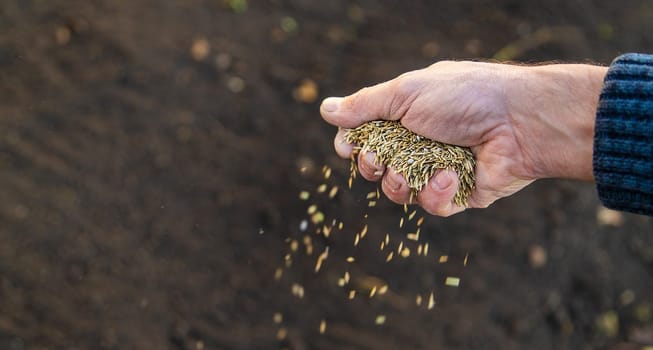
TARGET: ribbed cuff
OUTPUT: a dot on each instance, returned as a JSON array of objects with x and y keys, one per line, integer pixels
[{"x": 623, "y": 137}]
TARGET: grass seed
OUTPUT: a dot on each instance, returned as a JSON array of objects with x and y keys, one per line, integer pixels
[{"x": 415, "y": 157}]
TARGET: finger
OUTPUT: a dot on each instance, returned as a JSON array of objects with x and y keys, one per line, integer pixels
[
  {"x": 389, "y": 100},
  {"x": 368, "y": 167},
  {"x": 343, "y": 149},
  {"x": 395, "y": 187},
  {"x": 437, "y": 196}
]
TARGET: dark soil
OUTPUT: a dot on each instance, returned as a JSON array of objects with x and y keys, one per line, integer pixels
[{"x": 146, "y": 194}]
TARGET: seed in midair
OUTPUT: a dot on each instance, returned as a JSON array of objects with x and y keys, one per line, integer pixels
[
  {"x": 317, "y": 218},
  {"x": 383, "y": 289},
  {"x": 277, "y": 317},
  {"x": 352, "y": 294},
  {"x": 379, "y": 320},
  {"x": 304, "y": 195},
  {"x": 364, "y": 231},
  {"x": 443, "y": 259},
  {"x": 311, "y": 209},
  {"x": 452, "y": 281},
  {"x": 321, "y": 189},
  {"x": 431, "y": 302},
  {"x": 322, "y": 327},
  {"x": 333, "y": 192}
]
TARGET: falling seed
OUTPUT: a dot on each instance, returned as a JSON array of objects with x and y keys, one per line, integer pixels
[
  {"x": 419, "y": 249},
  {"x": 350, "y": 259},
  {"x": 452, "y": 281},
  {"x": 387, "y": 239},
  {"x": 341, "y": 225},
  {"x": 321, "y": 189},
  {"x": 420, "y": 221},
  {"x": 431, "y": 302},
  {"x": 333, "y": 192},
  {"x": 352, "y": 294},
  {"x": 327, "y": 173},
  {"x": 412, "y": 215},
  {"x": 378, "y": 194},
  {"x": 401, "y": 222},
  {"x": 405, "y": 252},
  {"x": 418, "y": 300},
  {"x": 311, "y": 209},
  {"x": 326, "y": 231},
  {"x": 346, "y": 277},
  {"x": 401, "y": 247},
  {"x": 382, "y": 245},
  {"x": 322, "y": 327},
  {"x": 371, "y": 204},
  {"x": 309, "y": 244},
  {"x": 350, "y": 182},
  {"x": 278, "y": 273},
  {"x": 297, "y": 290},
  {"x": 412, "y": 236},
  {"x": 383, "y": 289},
  {"x": 304, "y": 195},
  {"x": 443, "y": 259},
  {"x": 465, "y": 261},
  {"x": 317, "y": 218},
  {"x": 282, "y": 333},
  {"x": 357, "y": 239},
  {"x": 364, "y": 231},
  {"x": 371, "y": 195},
  {"x": 389, "y": 257},
  {"x": 372, "y": 291},
  {"x": 405, "y": 208},
  {"x": 426, "y": 249},
  {"x": 321, "y": 258},
  {"x": 294, "y": 245},
  {"x": 379, "y": 320},
  {"x": 277, "y": 318},
  {"x": 341, "y": 282},
  {"x": 303, "y": 225}
]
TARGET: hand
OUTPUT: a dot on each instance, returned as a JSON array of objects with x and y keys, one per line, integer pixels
[{"x": 522, "y": 123}]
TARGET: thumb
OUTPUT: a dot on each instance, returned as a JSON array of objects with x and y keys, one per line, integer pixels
[{"x": 389, "y": 100}]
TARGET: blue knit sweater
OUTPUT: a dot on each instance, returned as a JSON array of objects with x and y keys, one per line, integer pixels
[{"x": 623, "y": 138}]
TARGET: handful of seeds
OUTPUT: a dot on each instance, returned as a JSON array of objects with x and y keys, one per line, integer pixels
[{"x": 415, "y": 157}]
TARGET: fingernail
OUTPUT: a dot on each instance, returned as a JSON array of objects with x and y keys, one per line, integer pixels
[
  {"x": 443, "y": 180},
  {"x": 331, "y": 104},
  {"x": 393, "y": 183}
]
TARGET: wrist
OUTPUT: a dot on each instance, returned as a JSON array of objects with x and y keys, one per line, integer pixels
[{"x": 553, "y": 108}]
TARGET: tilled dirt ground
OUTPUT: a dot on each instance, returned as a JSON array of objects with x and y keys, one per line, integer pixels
[{"x": 150, "y": 156}]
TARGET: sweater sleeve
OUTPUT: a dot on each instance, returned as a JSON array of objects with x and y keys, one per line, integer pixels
[{"x": 623, "y": 137}]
